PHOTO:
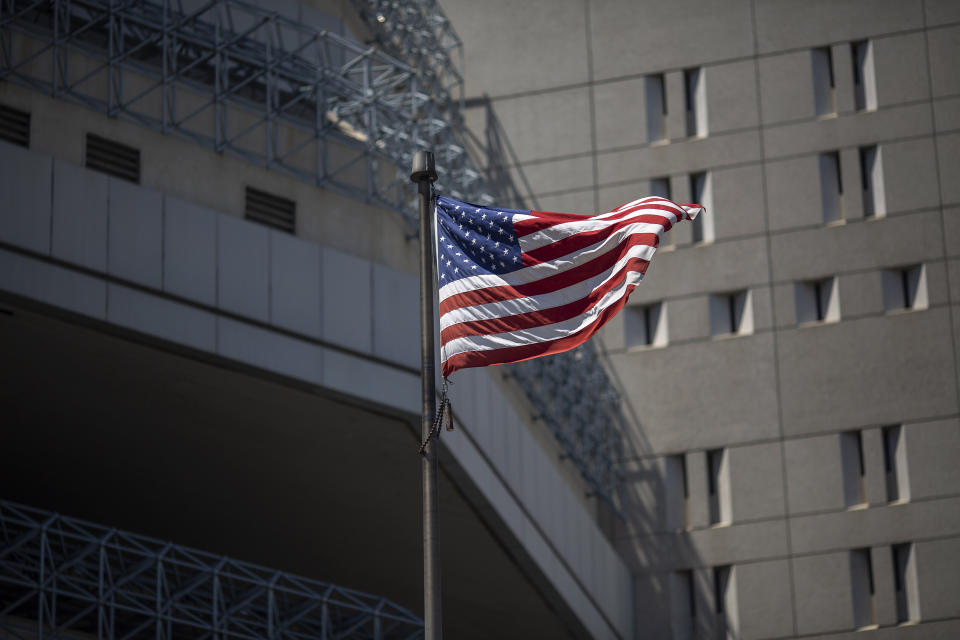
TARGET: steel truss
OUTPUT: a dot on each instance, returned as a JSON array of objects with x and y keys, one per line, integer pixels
[
  {"x": 254, "y": 84},
  {"x": 66, "y": 578},
  {"x": 243, "y": 81}
]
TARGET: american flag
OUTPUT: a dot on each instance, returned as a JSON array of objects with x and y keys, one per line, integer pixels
[{"x": 517, "y": 284}]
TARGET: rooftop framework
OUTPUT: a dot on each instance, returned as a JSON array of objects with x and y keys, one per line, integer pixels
[{"x": 66, "y": 578}]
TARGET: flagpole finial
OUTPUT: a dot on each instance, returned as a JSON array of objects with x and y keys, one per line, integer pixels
[{"x": 424, "y": 168}]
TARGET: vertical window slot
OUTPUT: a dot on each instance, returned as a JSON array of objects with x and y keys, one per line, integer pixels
[
  {"x": 656, "y": 100},
  {"x": 831, "y": 187},
  {"x": 895, "y": 464},
  {"x": 824, "y": 86},
  {"x": 851, "y": 451},
  {"x": 861, "y": 583}
]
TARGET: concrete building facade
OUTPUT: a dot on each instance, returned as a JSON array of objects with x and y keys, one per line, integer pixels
[
  {"x": 173, "y": 367},
  {"x": 791, "y": 361}
]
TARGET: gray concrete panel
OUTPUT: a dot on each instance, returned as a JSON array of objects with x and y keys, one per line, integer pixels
[
  {"x": 135, "y": 246},
  {"x": 620, "y": 113},
  {"x": 166, "y": 319},
  {"x": 531, "y": 123},
  {"x": 738, "y": 201},
  {"x": 933, "y": 449},
  {"x": 243, "y": 267},
  {"x": 556, "y": 175},
  {"x": 718, "y": 371},
  {"x": 823, "y": 596},
  {"x": 863, "y": 384},
  {"x": 814, "y": 474},
  {"x": 946, "y": 114},
  {"x": 25, "y": 185},
  {"x": 546, "y": 35},
  {"x": 737, "y": 543},
  {"x": 582, "y": 202},
  {"x": 938, "y": 578},
  {"x": 847, "y": 130},
  {"x": 793, "y": 188},
  {"x": 642, "y": 37},
  {"x": 860, "y": 294},
  {"x": 53, "y": 285},
  {"x": 941, "y": 12},
  {"x": 295, "y": 284},
  {"x": 763, "y": 598},
  {"x": 756, "y": 481},
  {"x": 680, "y": 157},
  {"x": 871, "y": 245},
  {"x": 713, "y": 268},
  {"x": 944, "y": 46},
  {"x": 875, "y": 526},
  {"x": 909, "y": 170},
  {"x": 190, "y": 251},
  {"x": 901, "y": 69},
  {"x": 268, "y": 350},
  {"x": 786, "y": 87},
  {"x": 948, "y": 160},
  {"x": 783, "y": 24},
  {"x": 731, "y": 96},
  {"x": 79, "y": 216},
  {"x": 347, "y": 303}
]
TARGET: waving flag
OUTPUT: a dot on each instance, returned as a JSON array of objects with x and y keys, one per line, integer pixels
[{"x": 516, "y": 285}]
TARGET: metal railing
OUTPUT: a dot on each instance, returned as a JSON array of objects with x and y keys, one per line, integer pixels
[{"x": 66, "y": 578}]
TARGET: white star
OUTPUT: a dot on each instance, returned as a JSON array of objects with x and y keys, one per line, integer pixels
[
  {"x": 474, "y": 267},
  {"x": 483, "y": 217},
  {"x": 449, "y": 263},
  {"x": 502, "y": 232},
  {"x": 496, "y": 244},
  {"x": 474, "y": 241},
  {"x": 458, "y": 254},
  {"x": 506, "y": 251},
  {"x": 456, "y": 269},
  {"x": 478, "y": 211},
  {"x": 458, "y": 207},
  {"x": 449, "y": 246},
  {"x": 516, "y": 259},
  {"x": 443, "y": 276},
  {"x": 461, "y": 226},
  {"x": 467, "y": 235}
]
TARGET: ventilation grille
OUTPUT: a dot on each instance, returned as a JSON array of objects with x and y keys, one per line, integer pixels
[
  {"x": 113, "y": 158},
  {"x": 271, "y": 210},
  {"x": 14, "y": 126}
]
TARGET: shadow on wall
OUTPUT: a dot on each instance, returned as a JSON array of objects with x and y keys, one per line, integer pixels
[{"x": 675, "y": 594}]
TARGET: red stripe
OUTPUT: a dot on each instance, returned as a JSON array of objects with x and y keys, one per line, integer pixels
[
  {"x": 542, "y": 317},
  {"x": 545, "y": 220},
  {"x": 551, "y": 283},
  {"x": 526, "y": 352},
  {"x": 585, "y": 239}
]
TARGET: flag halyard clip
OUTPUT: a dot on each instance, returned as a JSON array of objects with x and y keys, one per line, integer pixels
[{"x": 444, "y": 414}]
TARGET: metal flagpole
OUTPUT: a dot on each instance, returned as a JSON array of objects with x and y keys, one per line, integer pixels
[{"x": 424, "y": 173}]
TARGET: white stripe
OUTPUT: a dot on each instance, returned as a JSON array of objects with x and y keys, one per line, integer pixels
[
  {"x": 550, "y": 268},
  {"x": 564, "y": 230},
  {"x": 544, "y": 333},
  {"x": 576, "y": 291}
]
